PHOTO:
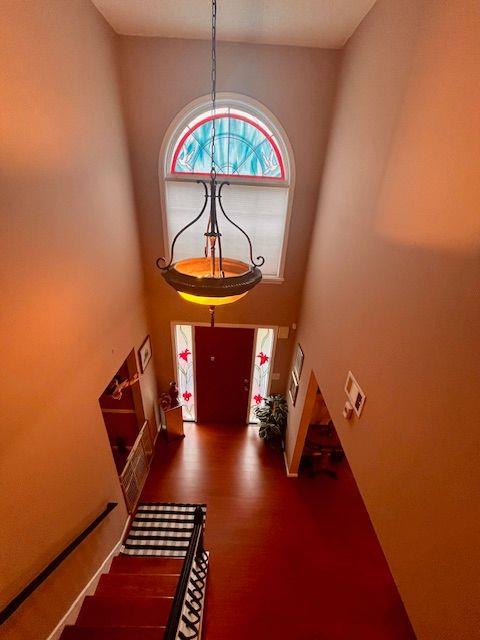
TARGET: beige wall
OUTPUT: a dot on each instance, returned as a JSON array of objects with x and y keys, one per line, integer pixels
[
  {"x": 158, "y": 78},
  {"x": 71, "y": 297},
  {"x": 392, "y": 294}
]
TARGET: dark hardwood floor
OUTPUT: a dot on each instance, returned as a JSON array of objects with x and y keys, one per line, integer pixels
[{"x": 291, "y": 558}]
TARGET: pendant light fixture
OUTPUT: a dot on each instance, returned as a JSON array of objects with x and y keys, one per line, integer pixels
[{"x": 212, "y": 279}]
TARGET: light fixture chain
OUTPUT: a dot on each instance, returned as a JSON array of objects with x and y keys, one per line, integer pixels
[
  {"x": 214, "y": 81},
  {"x": 188, "y": 277}
]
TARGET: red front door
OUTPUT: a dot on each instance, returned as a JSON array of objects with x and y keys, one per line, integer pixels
[{"x": 223, "y": 363}]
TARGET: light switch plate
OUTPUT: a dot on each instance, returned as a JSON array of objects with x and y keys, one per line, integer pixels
[
  {"x": 275, "y": 376},
  {"x": 355, "y": 394}
]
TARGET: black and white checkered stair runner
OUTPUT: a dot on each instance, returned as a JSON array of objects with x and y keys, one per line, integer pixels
[{"x": 161, "y": 529}]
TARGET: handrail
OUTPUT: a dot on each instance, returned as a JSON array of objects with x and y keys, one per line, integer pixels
[
  {"x": 195, "y": 546},
  {"x": 13, "y": 605}
]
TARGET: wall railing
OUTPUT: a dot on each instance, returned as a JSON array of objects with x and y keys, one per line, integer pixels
[{"x": 27, "y": 591}]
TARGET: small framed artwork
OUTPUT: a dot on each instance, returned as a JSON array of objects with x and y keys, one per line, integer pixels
[
  {"x": 145, "y": 353},
  {"x": 293, "y": 387},
  {"x": 298, "y": 364}
]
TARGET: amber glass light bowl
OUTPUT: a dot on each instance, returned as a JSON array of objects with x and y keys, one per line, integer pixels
[{"x": 194, "y": 281}]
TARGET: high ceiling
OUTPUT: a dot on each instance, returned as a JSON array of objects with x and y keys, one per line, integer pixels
[{"x": 306, "y": 23}]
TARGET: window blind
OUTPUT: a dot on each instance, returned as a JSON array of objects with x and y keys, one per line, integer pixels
[{"x": 260, "y": 210}]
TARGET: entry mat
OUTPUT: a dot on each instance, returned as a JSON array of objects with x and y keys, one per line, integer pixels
[{"x": 161, "y": 529}]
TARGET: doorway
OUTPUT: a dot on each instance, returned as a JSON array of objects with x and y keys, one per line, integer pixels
[
  {"x": 322, "y": 450},
  {"x": 317, "y": 448},
  {"x": 258, "y": 373},
  {"x": 122, "y": 411},
  {"x": 223, "y": 373},
  {"x": 131, "y": 436}
]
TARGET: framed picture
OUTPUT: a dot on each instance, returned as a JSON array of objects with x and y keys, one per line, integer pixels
[
  {"x": 293, "y": 387},
  {"x": 145, "y": 353},
  {"x": 298, "y": 364}
]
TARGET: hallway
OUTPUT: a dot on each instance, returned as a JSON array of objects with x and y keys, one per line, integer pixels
[{"x": 290, "y": 558}]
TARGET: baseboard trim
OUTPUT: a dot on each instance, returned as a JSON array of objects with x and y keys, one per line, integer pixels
[
  {"x": 289, "y": 474},
  {"x": 74, "y": 609}
]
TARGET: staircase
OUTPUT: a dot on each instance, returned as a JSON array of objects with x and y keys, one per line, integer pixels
[
  {"x": 147, "y": 597},
  {"x": 132, "y": 601}
]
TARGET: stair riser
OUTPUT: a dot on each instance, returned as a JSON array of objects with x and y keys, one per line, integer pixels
[
  {"x": 95, "y": 633},
  {"x": 100, "y": 611},
  {"x": 144, "y": 565}
]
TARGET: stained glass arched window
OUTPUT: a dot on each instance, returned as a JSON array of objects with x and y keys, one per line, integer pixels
[
  {"x": 251, "y": 152},
  {"x": 243, "y": 147}
]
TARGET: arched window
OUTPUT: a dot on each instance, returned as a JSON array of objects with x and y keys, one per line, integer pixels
[{"x": 253, "y": 154}]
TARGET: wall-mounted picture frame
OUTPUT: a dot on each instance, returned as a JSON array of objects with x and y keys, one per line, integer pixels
[
  {"x": 293, "y": 387},
  {"x": 145, "y": 353},
  {"x": 298, "y": 362}
]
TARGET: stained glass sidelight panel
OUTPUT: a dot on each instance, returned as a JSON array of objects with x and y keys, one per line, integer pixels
[
  {"x": 243, "y": 147},
  {"x": 185, "y": 369},
  {"x": 261, "y": 369}
]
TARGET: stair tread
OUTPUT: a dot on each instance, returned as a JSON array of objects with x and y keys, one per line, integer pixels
[
  {"x": 124, "y": 611},
  {"x": 112, "y": 633},
  {"x": 132, "y": 584},
  {"x": 145, "y": 564}
]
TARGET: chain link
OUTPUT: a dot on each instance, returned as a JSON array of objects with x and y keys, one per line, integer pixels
[{"x": 213, "y": 171}]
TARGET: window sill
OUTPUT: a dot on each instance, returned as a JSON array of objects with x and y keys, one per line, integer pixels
[{"x": 272, "y": 280}]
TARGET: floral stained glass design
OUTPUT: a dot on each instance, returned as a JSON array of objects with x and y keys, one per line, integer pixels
[
  {"x": 243, "y": 147},
  {"x": 185, "y": 370},
  {"x": 261, "y": 369}
]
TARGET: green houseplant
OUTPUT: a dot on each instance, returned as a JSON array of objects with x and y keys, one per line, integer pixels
[{"x": 273, "y": 417}]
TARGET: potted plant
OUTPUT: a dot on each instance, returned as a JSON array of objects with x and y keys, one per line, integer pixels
[{"x": 273, "y": 417}]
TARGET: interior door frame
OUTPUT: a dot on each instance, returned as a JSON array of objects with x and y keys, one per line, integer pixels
[{"x": 224, "y": 325}]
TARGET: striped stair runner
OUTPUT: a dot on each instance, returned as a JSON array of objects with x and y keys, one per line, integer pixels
[{"x": 161, "y": 529}]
